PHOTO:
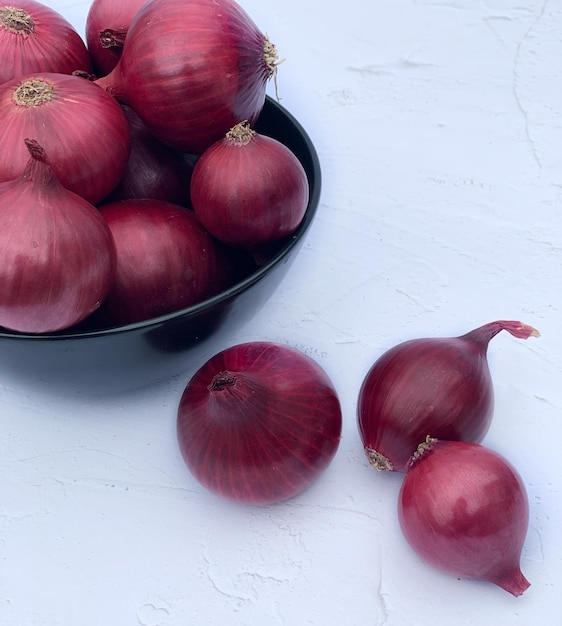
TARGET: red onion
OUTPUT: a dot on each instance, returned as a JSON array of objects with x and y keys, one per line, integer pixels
[
  {"x": 438, "y": 387},
  {"x": 154, "y": 170},
  {"x": 82, "y": 129},
  {"x": 166, "y": 261},
  {"x": 463, "y": 508},
  {"x": 114, "y": 16},
  {"x": 192, "y": 69},
  {"x": 57, "y": 255},
  {"x": 249, "y": 190},
  {"x": 259, "y": 422},
  {"x": 35, "y": 38}
]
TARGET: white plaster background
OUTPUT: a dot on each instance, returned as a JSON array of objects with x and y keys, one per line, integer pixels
[{"x": 439, "y": 129}]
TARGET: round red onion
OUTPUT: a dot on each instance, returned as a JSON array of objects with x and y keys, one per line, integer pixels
[
  {"x": 249, "y": 190},
  {"x": 437, "y": 387},
  {"x": 259, "y": 422},
  {"x": 192, "y": 69},
  {"x": 114, "y": 16},
  {"x": 35, "y": 38},
  {"x": 57, "y": 254},
  {"x": 463, "y": 508},
  {"x": 80, "y": 126},
  {"x": 166, "y": 261},
  {"x": 154, "y": 170}
]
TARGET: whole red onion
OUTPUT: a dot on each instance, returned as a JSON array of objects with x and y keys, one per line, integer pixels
[
  {"x": 154, "y": 170},
  {"x": 166, "y": 261},
  {"x": 57, "y": 257},
  {"x": 80, "y": 126},
  {"x": 259, "y": 422},
  {"x": 249, "y": 190},
  {"x": 192, "y": 69},
  {"x": 108, "y": 15},
  {"x": 35, "y": 38},
  {"x": 437, "y": 387},
  {"x": 464, "y": 509}
]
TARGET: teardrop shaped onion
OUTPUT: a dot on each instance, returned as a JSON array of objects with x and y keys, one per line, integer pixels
[
  {"x": 438, "y": 386},
  {"x": 464, "y": 509},
  {"x": 57, "y": 257}
]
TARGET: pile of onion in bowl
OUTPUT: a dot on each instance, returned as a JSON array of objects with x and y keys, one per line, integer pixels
[{"x": 159, "y": 139}]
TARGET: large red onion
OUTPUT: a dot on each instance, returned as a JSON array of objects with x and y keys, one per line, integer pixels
[
  {"x": 35, "y": 38},
  {"x": 192, "y": 69},
  {"x": 108, "y": 15},
  {"x": 437, "y": 387},
  {"x": 57, "y": 257},
  {"x": 154, "y": 170},
  {"x": 81, "y": 127},
  {"x": 249, "y": 190},
  {"x": 259, "y": 422},
  {"x": 463, "y": 508},
  {"x": 166, "y": 261}
]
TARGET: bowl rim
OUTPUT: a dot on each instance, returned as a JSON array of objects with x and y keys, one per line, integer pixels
[{"x": 223, "y": 296}]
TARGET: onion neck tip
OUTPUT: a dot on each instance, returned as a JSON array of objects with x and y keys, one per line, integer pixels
[
  {"x": 378, "y": 460},
  {"x": 514, "y": 583}
]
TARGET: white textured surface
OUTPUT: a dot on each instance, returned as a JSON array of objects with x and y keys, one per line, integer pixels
[{"x": 439, "y": 128}]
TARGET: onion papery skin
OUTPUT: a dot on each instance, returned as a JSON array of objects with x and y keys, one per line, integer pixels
[
  {"x": 80, "y": 126},
  {"x": 57, "y": 254},
  {"x": 104, "y": 15},
  {"x": 463, "y": 508},
  {"x": 35, "y": 38},
  {"x": 249, "y": 190},
  {"x": 154, "y": 170},
  {"x": 166, "y": 261},
  {"x": 258, "y": 423},
  {"x": 192, "y": 69},
  {"x": 437, "y": 387}
]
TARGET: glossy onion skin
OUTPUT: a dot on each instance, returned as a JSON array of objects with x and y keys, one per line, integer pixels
[
  {"x": 249, "y": 196},
  {"x": 191, "y": 69},
  {"x": 439, "y": 388},
  {"x": 463, "y": 508},
  {"x": 53, "y": 45},
  {"x": 82, "y": 129},
  {"x": 166, "y": 261},
  {"x": 270, "y": 434},
  {"x": 103, "y": 15},
  {"x": 58, "y": 256}
]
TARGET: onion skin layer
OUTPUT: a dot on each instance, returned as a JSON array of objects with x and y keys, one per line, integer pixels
[
  {"x": 81, "y": 127},
  {"x": 48, "y": 44},
  {"x": 58, "y": 256},
  {"x": 191, "y": 69},
  {"x": 463, "y": 508},
  {"x": 166, "y": 261},
  {"x": 436, "y": 387},
  {"x": 251, "y": 194},
  {"x": 264, "y": 433}
]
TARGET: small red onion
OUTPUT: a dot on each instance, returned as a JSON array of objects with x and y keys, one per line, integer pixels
[
  {"x": 166, "y": 261},
  {"x": 463, "y": 508},
  {"x": 192, "y": 69},
  {"x": 259, "y": 422},
  {"x": 35, "y": 38},
  {"x": 57, "y": 257},
  {"x": 249, "y": 190},
  {"x": 437, "y": 387},
  {"x": 80, "y": 126},
  {"x": 113, "y": 16},
  {"x": 154, "y": 170}
]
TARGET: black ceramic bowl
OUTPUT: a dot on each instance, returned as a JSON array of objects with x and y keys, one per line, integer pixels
[{"x": 140, "y": 353}]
